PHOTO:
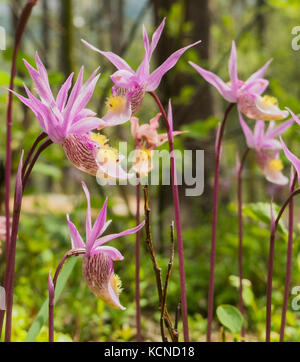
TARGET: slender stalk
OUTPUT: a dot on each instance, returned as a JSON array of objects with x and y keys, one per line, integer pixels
[
  {"x": 271, "y": 263},
  {"x": 137, "y": 265},
  {"x": 240, "y": 223},
  {"x": 288, "y": 262},
  {"x": 9, "y": 272},
  {"x": 166, "y": 285},
  {"x": 25, "y": 14},
  {"x": 52, "y": 292},
  {"x": 172, "y": 331},
  {"x": 18, "y": 37},
  {"x": 43, "y": 146},
  {"x": 178, "y": 223},
  {"x": 33, "y": 148},
  {"x": 214, "y": 224}
]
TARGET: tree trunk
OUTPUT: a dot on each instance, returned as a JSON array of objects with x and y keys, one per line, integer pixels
[{"x": 66, "y": 45}]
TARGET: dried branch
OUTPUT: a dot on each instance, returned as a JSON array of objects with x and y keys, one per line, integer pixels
[
  {"x": 165, "y": 290},
  {"x": 172, "y": 332}
]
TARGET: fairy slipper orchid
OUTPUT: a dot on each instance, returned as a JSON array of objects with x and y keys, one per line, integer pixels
[
  {"x": 146, "y": 140},
  {"x": 247, "y": 94},
  {"x": 65, "y": 118},
  {"x": 267, "y": 148},
  {"x": 134, "y": 84},
  {"x": 97, "y": 265}
]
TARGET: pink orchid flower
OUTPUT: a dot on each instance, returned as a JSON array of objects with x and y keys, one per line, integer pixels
[
  {"x": 246, "y": 94},
  {"x": 67, "y": 121},
  {"x": 131, "y": 84},
  {"x": 146, "y": 140},
  {"x": 267, "y": 148},
  {"x": 97, "y": 266},
  {"x": 289, "y": 155}
]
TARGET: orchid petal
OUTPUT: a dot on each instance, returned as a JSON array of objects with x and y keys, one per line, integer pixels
[
  {"x": 292, "y": 158},
  {"x": 110, "y": 237},
  {"x": 247, "y": 132},
  {"x": 113, "y": 253},
  {"x": 233, "y": 68},
  {"x": 117, "y": 61},
  {"x": 259, "y": 73},
  {"x": 85, "y": 125},
  {"x": 223, "y": 88},
  {"x": 156, "y": 76},
  {"x": 63, "y": 93},
  {"x": 96, "y": 229},
  {"x": 76, "y": 239},
  {"x": 88, "y": 221}
]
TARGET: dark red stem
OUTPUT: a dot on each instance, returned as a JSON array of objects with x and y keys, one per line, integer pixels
[
  {"x": 18, "y": 37},
  {"x": 214, "y": 224},
  {"x": 33, "y": 148},
  {"x": 52, "y": 295},
  {"x": 240, "y": 222},
  {"x": 183, "y": 297},
  {"x": 10, "y": 268},
  {"x": 43, "y": 146},
  {"x": 8, "y": 162},
  {"x": 271, "y": 263},
  {"x": 137, "y": 265},
  {"x": 288, "y": 262}
]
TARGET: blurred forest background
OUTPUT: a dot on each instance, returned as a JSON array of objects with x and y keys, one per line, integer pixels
[{"x": 262, "y": 30}]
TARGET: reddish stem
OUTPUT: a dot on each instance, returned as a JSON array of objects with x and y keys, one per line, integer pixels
[
  {"x": 137, "y": 265},
  {"x": 240, "y": 222},
  {"x": 18, "y": 37},
  {"x": 214, "y": 224},
  {"x": 271, "y": 263},
  {"x": 8, "y": 162},
  {"x": 52, "y": 295},
  {"x": 178, "y": 224},
  {"x": 33, "y": 148},
  {"x": 288, "y": 263},
  {"x": 10, "y": 268}
]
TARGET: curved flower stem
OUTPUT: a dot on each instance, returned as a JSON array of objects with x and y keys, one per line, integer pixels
[
  {"x": 178, "y": 224},
  {"x": 240, "y": 222},
  {"x": 33, "y": 148},
  {"x": 214, "y": 223},
  {"x": 9, "y": 272},
  {"x": 288, "y": 262},
  {"x": 137, "y": 264},
  {"x": 43, "y": 146},
  {"x": 271, "y": 262},
  {"x": 18, "y": 37},
  {"x": 68, "y": 254}
]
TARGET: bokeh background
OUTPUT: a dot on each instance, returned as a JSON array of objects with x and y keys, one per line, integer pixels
[{"x": 262, "y": 30}]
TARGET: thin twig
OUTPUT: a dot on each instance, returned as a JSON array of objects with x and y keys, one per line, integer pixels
[
  {"x": 165, "y": 290},
  {"x": 173, "y": 333}
]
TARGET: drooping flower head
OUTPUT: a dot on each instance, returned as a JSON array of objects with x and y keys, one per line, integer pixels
[
  {"x": 267, "y": 147},
  {"x": 247, "y": 94},
  {"x": 97, "y": 265},
  {"x": 66, "y": 120},
  {"x": 131, "y": 85},
  {"x": 146, "y": 140}
]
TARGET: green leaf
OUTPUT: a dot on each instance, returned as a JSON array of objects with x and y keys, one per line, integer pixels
[
  {"x": 201, "y": 128},
  {"x": 230, "y": 317},
  {"x": 261, "y": 211},
  {"x": 48, "y": 170},
  {"x": 42, "y": 316}
]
